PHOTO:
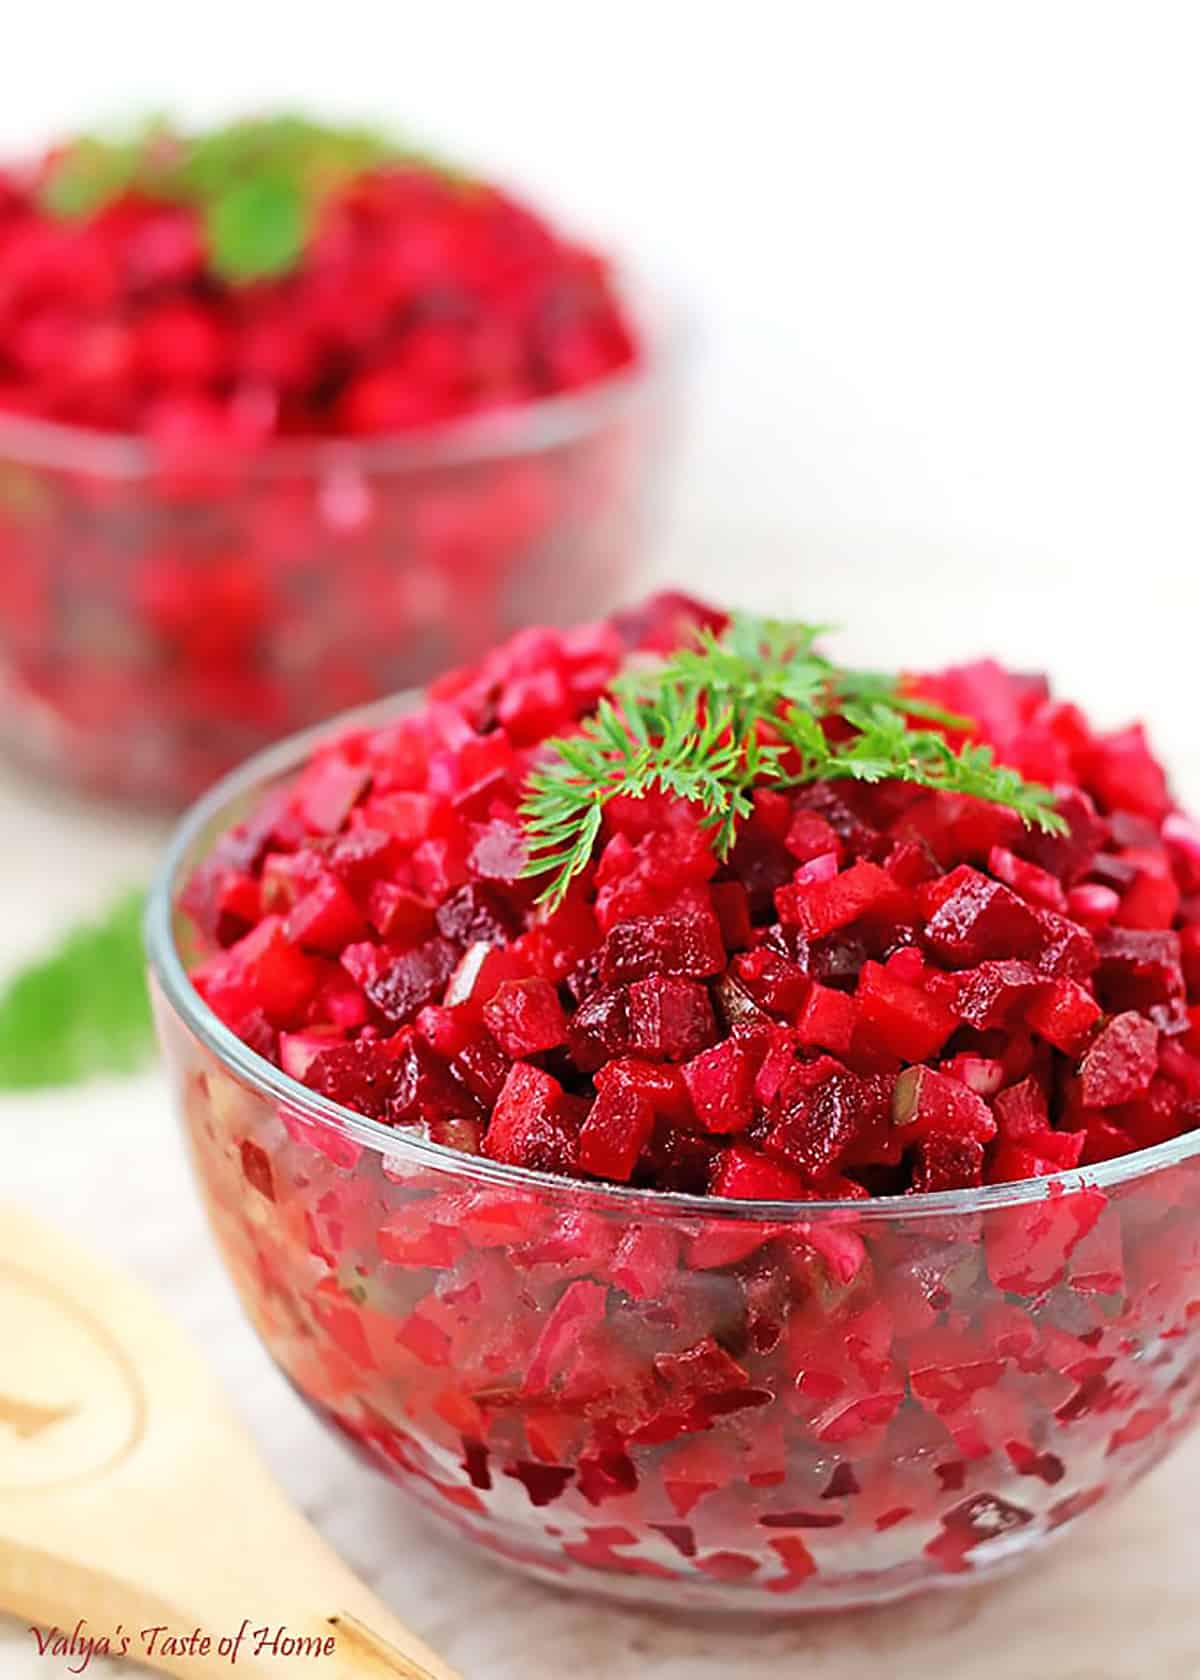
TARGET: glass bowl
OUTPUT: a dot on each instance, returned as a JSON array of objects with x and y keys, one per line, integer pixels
[
  {"x": 730, "y": 1406},
  {"x": 165, "y": 614}
]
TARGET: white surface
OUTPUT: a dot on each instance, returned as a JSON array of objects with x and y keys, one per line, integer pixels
[{"x": 946, "y": 264}]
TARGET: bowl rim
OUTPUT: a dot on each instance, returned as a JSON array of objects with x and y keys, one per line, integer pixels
[
  {"x": 170, "y": 976},
  {"x": 665, "y": 337}
]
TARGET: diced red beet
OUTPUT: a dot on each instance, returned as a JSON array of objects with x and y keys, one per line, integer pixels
[
  {"x": 662, "y": 1085},
  {"x": 482, "y": 1067},
  {"x": 617, "y": 1129},
  {"x": 425, "y": 1090},
  {"x": 809, "y": 836},
  {"x": 1093, "y": 905},
  {"x": 732, "y": 909},
  {"x": 415, "y": 978},
  {"x": 670, "y": 1018},
  {"x": 263, "y": 971},
  {"x": 903, "y": 1019},
  {"x": 1121, "y": 1061},
  {"x": 927, "y": 1103},
  {"x": 988, "y": 996},
  {"x": 477, "y": 913},
  {"x": 947, "y": 1163},
  {"x": 981, "y": 918},
  {"x": 645, "y": 1261},
  {"x": 1139, "y": 968},
  {"x": 599, "y": 1028},
  {"x": 688, "y": 945},
  {"x": 818, "y": 1113},
  {"x": 530, "y": 1125},
  {"x": 498, "y": 852},
  {"x": 819, "y": 907},
  {"x": 826, "y": 1019},
  {"x": 327, "y": 791},
  {"x": 1064, "y": 1015},
  {"x": 1066, "y": 855},
  {"x": 1124, "y": 775},
  {"x": 1068, "y": 951},
  {"x": 525, "y": 1017},
  {"x": 326, "y": 918},
  {"x": 1036, "y": 886},
  {"x": 746, "y": 1175},
  {"x": 774, "y": 981},
  {"x": 1152, "y": 898},
  {"x": 720, "y": 1083},
  {"x": 1021, "y": 1111},
  {"x": 398, "y": 915},
  {"x": 359, "y": 1075}
]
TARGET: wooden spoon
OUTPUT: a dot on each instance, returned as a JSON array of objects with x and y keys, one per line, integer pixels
[{"x": 130, "y": 1497}]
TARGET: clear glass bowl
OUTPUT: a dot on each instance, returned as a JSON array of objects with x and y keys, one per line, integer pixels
[
  {"x": 731, "y": 1406},
  {"x": 164, "y": 616}
]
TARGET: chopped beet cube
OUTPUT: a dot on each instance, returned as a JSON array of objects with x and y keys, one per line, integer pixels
[
  {"x": 826, "y": 1019},
  {"x": 773, "y": 981},
  {"x": 477, "y": 913},
  {"x": 745, "y": 1175},
  {"x": 1121, "y": 1061},
  {"x": 1124, "y": 775},
  {"x": 947, "y": 1163},
  {"x": 599, "y": 1028},
  {"x": 326, "y": 918},
  {"x": 264, "y": 972},
  {"x": 979, "y": 919},
  {"x": 988, "y": 996},
  {"x": 688, "y": 944},
  {"x": 1036, "y": 886},
  {"x": 617, "y": 1129},
  {"x": 1064, "y": 1014},
  {"x": 360, "y": 1075},
  {"x": 1139, "y": 968},
  {"x": 731, "y": 906},
  {"x": 927, "y": 1103},
  {"x": 906, "y": 1021},
  {"x": 670, "y": 1018},
  {"x": 415, "y": 978},
  {"x": 818, "y": 907},
  {"x": 819, "y": 1109},
  {"x": 720, "y": 1083},
  {"x": 525, "y": 1017},
  {"x": 530, "y": 1124}
]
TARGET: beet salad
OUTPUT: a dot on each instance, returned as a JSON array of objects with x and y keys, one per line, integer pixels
[{"x": 674, "y": 901}]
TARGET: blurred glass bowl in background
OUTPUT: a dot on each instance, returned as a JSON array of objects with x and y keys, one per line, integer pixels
[{"x": 164, "y": 614}]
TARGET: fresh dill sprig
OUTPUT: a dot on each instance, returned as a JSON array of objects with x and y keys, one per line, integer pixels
[
  {"x": 257, "y": 184},
  {"x": 748, "y": 707}
]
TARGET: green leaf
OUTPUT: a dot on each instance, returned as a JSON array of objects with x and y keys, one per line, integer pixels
[
  {"x": 88, "y": 175},
  {"x": 257, "y": 228},
  {"x": 257, "y": 184},
  {"x": 82, "y": 1010},
  {"x": 693, "y": 726}
]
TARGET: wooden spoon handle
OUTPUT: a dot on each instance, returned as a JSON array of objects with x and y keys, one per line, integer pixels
[{"x": 130, "y": 1497}]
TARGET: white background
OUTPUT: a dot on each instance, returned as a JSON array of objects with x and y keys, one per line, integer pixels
[{"x": 944, "y": 266}]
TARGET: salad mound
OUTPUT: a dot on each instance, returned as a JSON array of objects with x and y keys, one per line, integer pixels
[
  {"x": 779, "y": 948},
  {"x": 282, "y": 277}
]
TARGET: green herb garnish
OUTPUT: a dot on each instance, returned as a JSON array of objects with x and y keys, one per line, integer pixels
[
  {"x": 80, "y": 1011},
  {"x": 258, "y": 185},
  {"x": 715, "y": 720}
]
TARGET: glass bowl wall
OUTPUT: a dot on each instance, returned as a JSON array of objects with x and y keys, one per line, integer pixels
[
  {"x": 732, "y": 1406},
  {"x": 163, "y": 616}
]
